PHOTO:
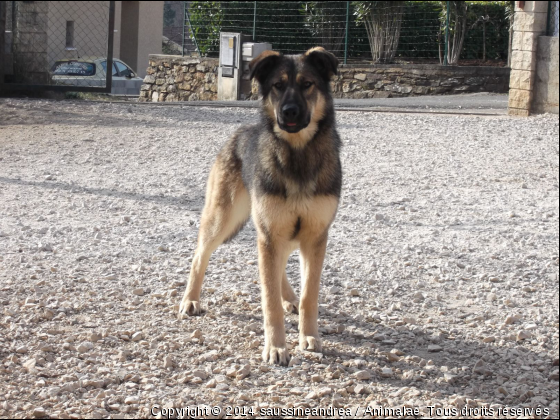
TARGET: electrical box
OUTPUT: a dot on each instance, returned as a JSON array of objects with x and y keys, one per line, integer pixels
[
  {"x": 228, "y": 49},
  {"x": 236, "y": 52},
  {"x": 254, "y": 49},
  {"x": 250, "y": 50},
  {"x": 229, "y": 70}
]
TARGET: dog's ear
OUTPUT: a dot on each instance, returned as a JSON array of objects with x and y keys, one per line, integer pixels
[
  {"x": 325, "y": 62},
  {"x": 261, "y": 65}
]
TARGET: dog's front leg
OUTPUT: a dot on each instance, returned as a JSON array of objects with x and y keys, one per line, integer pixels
[
  {"x": 272, "y": 262},
  {"x": 312, "y": 254}
]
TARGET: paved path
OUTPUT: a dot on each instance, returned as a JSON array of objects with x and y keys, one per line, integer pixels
[
  {"x": 473, "y": 103},
  {"x": 485, "y": 103}
]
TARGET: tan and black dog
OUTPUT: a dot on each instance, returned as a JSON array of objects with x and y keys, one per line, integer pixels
[{"x": 284, "y": 172}]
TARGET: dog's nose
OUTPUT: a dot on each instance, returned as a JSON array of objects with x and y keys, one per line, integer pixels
[{"x": 290, "y": 112}]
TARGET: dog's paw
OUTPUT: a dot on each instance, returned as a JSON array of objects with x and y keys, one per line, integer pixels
[
  {"x": 276, "y": 355},
  {"x": 310, "y": 343},
  {"x": 189, "y": 307},
  {"x": 291, "y": 307}
]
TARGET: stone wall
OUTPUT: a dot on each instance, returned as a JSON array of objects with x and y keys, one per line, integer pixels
[
  {"x": 174, "y": 78},
  {"x": 390, "y": 81}
]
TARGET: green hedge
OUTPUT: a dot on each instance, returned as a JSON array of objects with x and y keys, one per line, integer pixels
[
  {"x": 289, "y": 27},
  {"x": 497, "y": 31}
]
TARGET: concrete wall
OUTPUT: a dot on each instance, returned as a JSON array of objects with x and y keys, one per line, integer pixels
[
  {"x": 141, "y": 33},
  {"x": 40, "y": 35},
  {"x": 150, "y": 34},
  {"x": 129, "y": 33},
  {"x": 546, "y": 78},
  {"x": 90, "y": 29}
]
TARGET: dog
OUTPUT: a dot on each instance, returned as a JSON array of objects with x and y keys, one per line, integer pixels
[{"x": 285, "y": 173}]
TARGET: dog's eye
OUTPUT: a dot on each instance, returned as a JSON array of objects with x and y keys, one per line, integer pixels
[
  {"x": 278, "y": 85},
  {"x": 307, "y": 85}
]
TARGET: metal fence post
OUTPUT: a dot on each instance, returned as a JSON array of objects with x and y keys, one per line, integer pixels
[
  {"x": 193, "y": 35},
  {"x": 445, "y": 62},
  {"x": 184, "y": 24},
  {"x": 548, "y": 18},
  {"x": 110, "y": 42},
  {"x": 346, "y": 32},
  {"x": 2, "y": 42},
  {"x": 254, "y": 21}
]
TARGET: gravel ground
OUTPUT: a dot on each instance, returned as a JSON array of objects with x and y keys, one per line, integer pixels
[{"x": 440, "y": 286}]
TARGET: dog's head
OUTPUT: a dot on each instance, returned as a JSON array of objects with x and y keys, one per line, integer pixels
[{"x": 295, "y": 90}]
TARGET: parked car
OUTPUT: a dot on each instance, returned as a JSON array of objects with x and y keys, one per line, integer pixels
[{"x": 91, "y": 71}]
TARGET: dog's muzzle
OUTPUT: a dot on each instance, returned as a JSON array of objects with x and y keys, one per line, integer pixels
[{"x": 290, "y": 119}]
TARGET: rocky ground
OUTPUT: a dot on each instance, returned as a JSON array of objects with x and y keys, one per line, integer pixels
[{"x": 439, "y": 293}]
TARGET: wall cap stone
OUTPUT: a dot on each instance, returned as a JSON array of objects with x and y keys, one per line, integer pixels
[
  {"x": 180, "y": 59},
  {"x": 480, "y": 70}
]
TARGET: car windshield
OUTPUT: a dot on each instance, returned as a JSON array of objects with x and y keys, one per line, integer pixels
[{"x": 73, "y": 68}]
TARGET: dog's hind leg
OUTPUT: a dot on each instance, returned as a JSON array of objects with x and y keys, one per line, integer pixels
[
  {"x": 227, "y": 208},
  {"x": 290, "y": 301}
]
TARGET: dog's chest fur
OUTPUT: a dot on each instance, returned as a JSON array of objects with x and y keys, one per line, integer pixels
[
  {"x": 297, "y": 174},
  {"x": 297, "y": 170}
]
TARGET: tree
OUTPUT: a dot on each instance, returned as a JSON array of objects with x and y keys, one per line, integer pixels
[
  {"x": 280, "y": 23},
  {"x": 457, "y": 28},
  {"x": 383, "y": 21},
  {"x": 483, "y": 20},
  {"x": 510, "y": 15},
  {"x": 327, "y": 23},
  {"x": 206, "y": 19}
]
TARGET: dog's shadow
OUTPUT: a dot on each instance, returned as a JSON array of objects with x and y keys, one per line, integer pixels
[
  {"x": 438, "y": 360},
  {"x": 433, "y": 364}
]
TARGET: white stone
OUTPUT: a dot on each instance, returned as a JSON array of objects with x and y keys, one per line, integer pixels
[
  {"x": 167, "y": 362},
  {"x": 133, "y": 399},
  {"x": 362, "y": 375},
  {"x": 85, "y": 347}
]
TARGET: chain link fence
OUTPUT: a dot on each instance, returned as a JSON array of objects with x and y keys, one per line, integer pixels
[
  {"x": 453, "y": 32},
  {"x": 552, "y": 22},
  {"x": 175, "y": 40},
  {"x": 58, "y": 44}
]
